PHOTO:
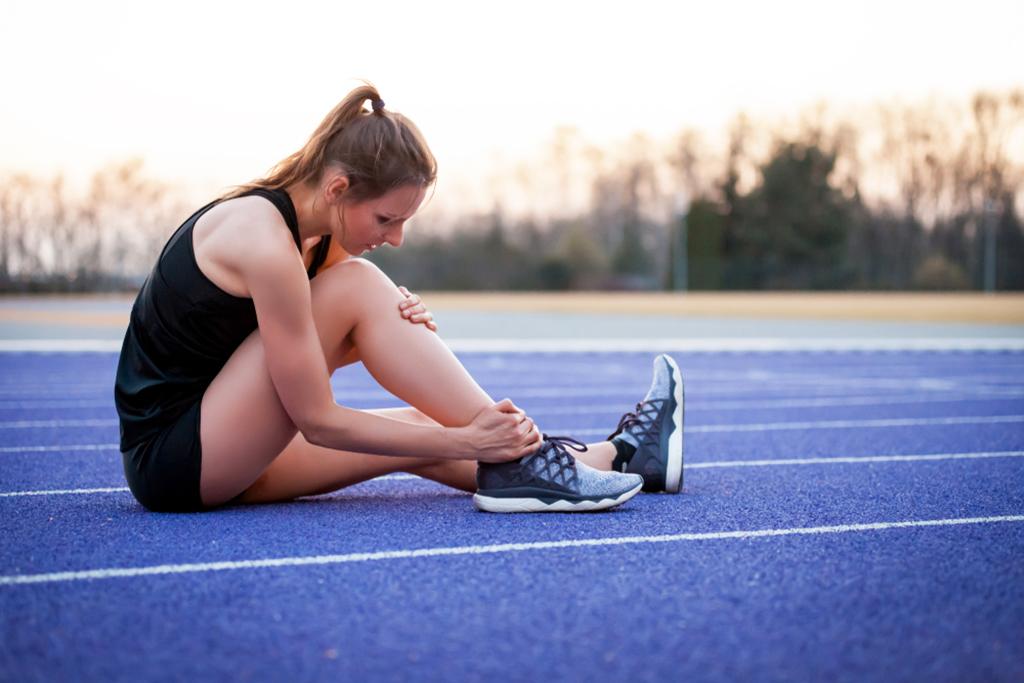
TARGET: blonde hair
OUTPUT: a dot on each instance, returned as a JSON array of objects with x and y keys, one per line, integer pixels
[{"x": 378, "y": 150}]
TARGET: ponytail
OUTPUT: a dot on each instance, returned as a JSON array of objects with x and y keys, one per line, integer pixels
[{"x": 378, "y": 150}]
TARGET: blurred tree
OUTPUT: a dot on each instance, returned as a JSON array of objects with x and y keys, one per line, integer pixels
[
  {"x": 806, "y": 219},
  {"x": 636, "y": 190},
  {"x": 554, "y": 273},
  {"x": 581, "y": 253},
  {"x": 1010, "y": 247},
  {"x": 705, "y": 228},
  {"x": 791, "y": 231},
  {"x": 939, "y": 273},
  {"x": 740, "y": 267}
]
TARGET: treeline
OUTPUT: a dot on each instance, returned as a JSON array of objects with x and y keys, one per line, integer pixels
[
  {"x": 54, "y": 238},
  {"x": 924, "y": 196},
  {"x": 898, "y": 197}
]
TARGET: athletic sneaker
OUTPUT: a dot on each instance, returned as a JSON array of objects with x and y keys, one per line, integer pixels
[
  {"x": 650, "y": 439},
  {"x": 551, "y": 480}
]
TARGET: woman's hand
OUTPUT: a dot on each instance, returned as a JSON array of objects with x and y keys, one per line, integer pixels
[
  {"x": 412, "y": 309},
  {"x": 499, "y": 433}
]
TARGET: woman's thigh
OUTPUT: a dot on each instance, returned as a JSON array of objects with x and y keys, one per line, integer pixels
[{"x": 243, "y": 425}]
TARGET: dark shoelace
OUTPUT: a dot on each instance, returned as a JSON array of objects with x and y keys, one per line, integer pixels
[
  {"x": 564, "y": 461},
  {"x": 644, "y": 409}
]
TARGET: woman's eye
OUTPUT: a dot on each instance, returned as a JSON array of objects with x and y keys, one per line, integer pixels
[{"x": 382, "y": 220}]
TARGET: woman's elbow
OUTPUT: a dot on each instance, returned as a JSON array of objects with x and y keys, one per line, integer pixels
[{"x": 314, "y": 429}]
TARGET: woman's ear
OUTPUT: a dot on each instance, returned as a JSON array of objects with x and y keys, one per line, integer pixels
[{"x": 335, "y": 188}]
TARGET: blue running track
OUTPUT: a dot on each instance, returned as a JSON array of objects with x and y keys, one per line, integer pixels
[{"x": 849, "y": 516}]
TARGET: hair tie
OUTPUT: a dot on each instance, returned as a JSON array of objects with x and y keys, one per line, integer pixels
[{"x": 377, "y": 105}]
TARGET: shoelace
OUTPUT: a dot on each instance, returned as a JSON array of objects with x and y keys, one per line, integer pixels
[
  {"x": 564, "y": 461},
  {"x": 644, "y": 409}
]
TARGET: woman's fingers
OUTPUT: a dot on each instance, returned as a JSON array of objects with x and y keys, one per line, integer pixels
[
  {"x": 530, "y": 436},
  {"x": 512, "y": 434},
  {"x": 413, "y": 309},
  {"x": 411, "y": 306},
  {"x": 525, "y": 426},
  {"x": 506, "y": 405},
  {"x": 503, "y": 404},
  {"x": 532, "y": 444}
]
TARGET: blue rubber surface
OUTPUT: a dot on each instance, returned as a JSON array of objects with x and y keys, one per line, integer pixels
[{"x": 818, "y": 595}]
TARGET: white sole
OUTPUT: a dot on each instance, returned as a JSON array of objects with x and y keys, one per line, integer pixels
[
  {"x": 674, "y": 469},
  {"x": 490, "y": 504}
]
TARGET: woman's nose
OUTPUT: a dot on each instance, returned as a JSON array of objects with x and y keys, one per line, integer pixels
[{"x": 395, "y": 236}]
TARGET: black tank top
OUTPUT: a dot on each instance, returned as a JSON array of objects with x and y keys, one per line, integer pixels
[{"x": 182, "y": 330}]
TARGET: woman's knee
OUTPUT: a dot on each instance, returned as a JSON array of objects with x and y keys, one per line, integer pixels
[
  {"x": 342, "y": 296},
  {"x": 355, "y": 275}
]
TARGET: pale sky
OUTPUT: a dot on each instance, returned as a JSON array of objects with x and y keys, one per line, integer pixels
[{"x": 214, "y": 93}]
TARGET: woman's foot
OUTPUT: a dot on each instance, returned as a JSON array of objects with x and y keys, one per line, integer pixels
[
  {"x": 551, "y": 480},
  {"x": 649, "y": 441}
]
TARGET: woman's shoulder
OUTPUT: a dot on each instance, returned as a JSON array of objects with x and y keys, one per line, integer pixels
[
  {"x": 251, "y": 220},
  {"x": 251, "y": 209},
  {"x": 240, "y": 238}
]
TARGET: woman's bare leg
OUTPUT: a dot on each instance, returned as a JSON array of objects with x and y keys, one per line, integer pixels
[
  {"x": 244, "y": 427},
  {"x": 304, "y": 469}
]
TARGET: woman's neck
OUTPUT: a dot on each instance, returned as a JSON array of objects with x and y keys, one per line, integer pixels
[{"x": 311, "y": 210}]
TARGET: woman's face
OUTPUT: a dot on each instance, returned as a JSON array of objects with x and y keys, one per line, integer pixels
[{"x": 363, "y": 226}]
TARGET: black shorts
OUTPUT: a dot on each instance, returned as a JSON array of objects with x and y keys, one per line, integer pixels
[{"x": 163, "y": 472}]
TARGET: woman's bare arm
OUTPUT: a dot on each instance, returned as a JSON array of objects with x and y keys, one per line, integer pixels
[{"x": 275, "y": 278}]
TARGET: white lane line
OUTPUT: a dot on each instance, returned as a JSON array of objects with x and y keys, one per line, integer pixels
[
  {"x": 695, "y": 406},
  {"x": 59, "y": 345},
  {"x": 692, "y": 406},
  {"x": 60, "y": 449},
  {"x": 825, "y": 424},
  {"x": 63, "y": 404},
  {"x": 742, "y": 427},
  {"x": 854, "y": 459},
  {"x": 737, "y": 344},
  {"x": 850, "y": 424},
  {"x": 125, "y": 489},
  {"x": 40, "y": 394},
  {"x": 32, "y": 424},
  {"x": 702, "y": 345},
  {"x": 62, "y": 492},
  {"x": 164, "y": 569},
  {"x": 822, "y": 424},
  {"x": 346, "y": 392},
  {"x": 344, "y": 395}
]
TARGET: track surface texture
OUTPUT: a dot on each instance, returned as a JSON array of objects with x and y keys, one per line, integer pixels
[{"x": 851, "y": 516}]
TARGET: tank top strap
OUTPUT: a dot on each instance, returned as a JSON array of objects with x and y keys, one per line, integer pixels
[
  {"x": 280, "y": 199},
  {"x": 320, "y": 256},
  {"x": 283, "y": 202}
]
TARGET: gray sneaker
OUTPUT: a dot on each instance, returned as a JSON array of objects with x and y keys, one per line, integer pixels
[
  {"x": 551, "y": 480},
  {"x": 655, "y": 430}
]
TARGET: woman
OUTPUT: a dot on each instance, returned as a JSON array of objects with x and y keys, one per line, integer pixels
[{"x": 223, "y": 387}]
